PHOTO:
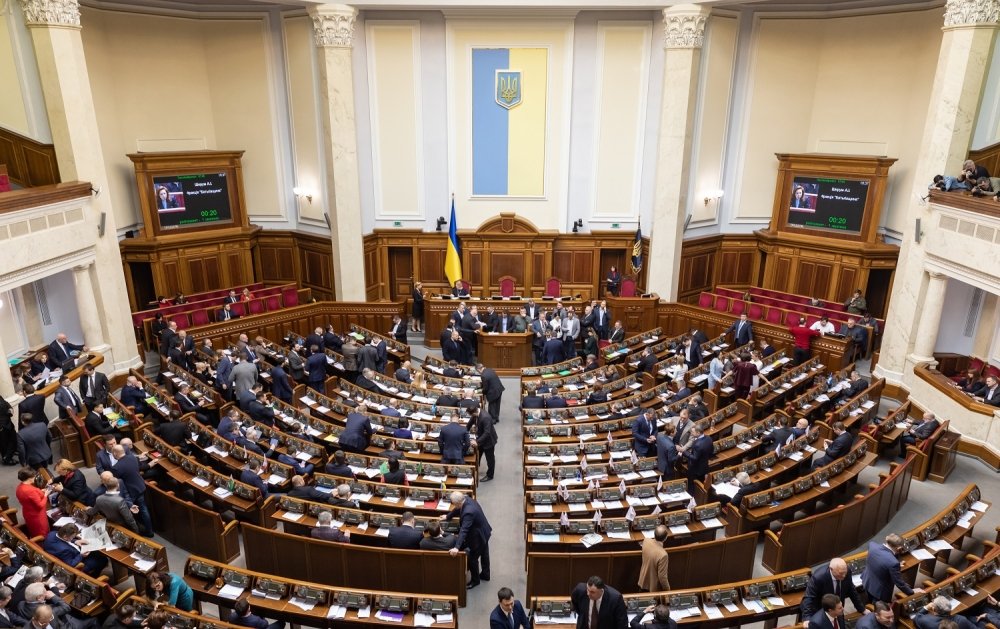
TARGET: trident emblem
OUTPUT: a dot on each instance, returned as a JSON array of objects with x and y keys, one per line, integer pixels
[{"x": 508, "y": 88}]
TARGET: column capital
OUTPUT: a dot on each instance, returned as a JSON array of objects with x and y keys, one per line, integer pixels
[
  {"x": 972, "y": 13},
  {"x": 64, "y": 13},
  {"x": 937, "y": 275},
  {"x": 80, "y": 268},
  {"x": 333, "y": 25},
  {"x": 684, "y": 26}
]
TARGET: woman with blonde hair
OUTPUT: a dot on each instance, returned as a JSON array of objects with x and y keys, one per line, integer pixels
[
  {"x": 71, "y": 484},
  {"x": 418, "y": 379}
]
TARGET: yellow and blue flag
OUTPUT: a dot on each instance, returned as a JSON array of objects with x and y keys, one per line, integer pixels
[
  {"x": 637, "y": 251},
  {"x": 453, "y": 253},
  {"x": 509, "y": 88}
]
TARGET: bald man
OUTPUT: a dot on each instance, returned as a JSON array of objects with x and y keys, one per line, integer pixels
[{"x": 833, "y": 578}]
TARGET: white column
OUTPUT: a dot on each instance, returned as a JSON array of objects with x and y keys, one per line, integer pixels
[
  {"x": 930, "y": 317},
  {"x": 333, "y": 29},
  {"x": 55, "y": 34},
  {"x": 6, "y": 379},
  {"x": 963, "y": 60},
  {"x": 86, "y": 306},
  {"x": 683, "y": 38}
]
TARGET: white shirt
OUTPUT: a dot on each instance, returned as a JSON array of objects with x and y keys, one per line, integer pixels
[{"x": 823, "y": 328}]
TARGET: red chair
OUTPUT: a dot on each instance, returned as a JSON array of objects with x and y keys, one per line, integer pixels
[
  {"x": 705, "y": 300},
  {"x": 553, "y": 287},
  {"x": 199, "y": 317},
  {"x": 722, "y": 304},
  {"x": 810, "y": 320},
  {"x": 773, "y": 315},
  {"x": 181, "y": 320},
  {"x": 507, "y": 286},
  {"x": 756, "y": 311},
  {"x": 739, "y": 307},
  {"x": 629, "y": 287},
  {"x": 992, "y": 372},
  {"x": 976, "y": 364},
  {"x": 256, "y": 306},
  {"x": 290, "y": 297},
  {"x": 272, "y": 302},
  {"x": 240, "y": 309}
]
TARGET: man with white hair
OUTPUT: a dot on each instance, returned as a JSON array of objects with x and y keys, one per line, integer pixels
[
  {"x": 9, "y": 619},
  {"x": 325, "y": 530},
  {"x": 37, "y": 598},
  {"x": 473, "y": 536},
  {"x": 938, "y": 611},
  {"x": 833, "y": 578}
]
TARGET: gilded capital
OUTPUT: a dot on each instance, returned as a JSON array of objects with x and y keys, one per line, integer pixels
[
  {"x": 972, "y": 13},
  {"x": 333, "y": 25},
  {"x": 51, "y": 13},
  {"x": 684, "y": 26}
]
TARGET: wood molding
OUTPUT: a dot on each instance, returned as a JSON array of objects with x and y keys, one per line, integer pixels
[
  {"x": 28, "y": 198},
  {"x": 29, "y": 163},
  {"x": 981, "y": 452}
]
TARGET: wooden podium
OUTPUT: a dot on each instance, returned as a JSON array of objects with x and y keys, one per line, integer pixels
[{"x": 505, "y": 353}]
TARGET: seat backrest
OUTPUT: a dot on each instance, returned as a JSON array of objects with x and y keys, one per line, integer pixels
[
  {"x": 628, "y": 287},
  {"x": 774, "y": 315},
  {"x": 705, "y": 300},
  {"x": 273, "y": 302},
  {"x": 553, "y": 287},
  {"x": 199, "y": 317},
  {"x": 239, "y": 308},
  {"x": 256, "y": 306},
  {"x": 756, "y": 311},
  {"x": 976, "y": 364},
  {"x": 739, "y": 307},
  {"x": 722, "y": 304},
  {"x": 181, "y": 320},
  {"x": 290, "y": 297},
  {"x": 992, "y": 371},
  {"x": 507, "y": 286}
]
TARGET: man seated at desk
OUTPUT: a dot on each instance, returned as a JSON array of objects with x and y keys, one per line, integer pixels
[
  {"x": 459, "y": 291},
  {"x": 251, "y": 476},
  {"x": 836, "y": 448},
  {"x": 325, "y": 530},
  {"x": 61, "y": 350},
  {"x": 244, "y": 617}
]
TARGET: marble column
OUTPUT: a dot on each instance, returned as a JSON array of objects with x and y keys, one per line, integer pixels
[
  {"x": 6, "y": 379},
  {"x": 930, "y": 317},
  {"x": 969, "y": 29},
  {"x": 86, "y": 306},
  {"x": 683, "y": 38},
  {"x": 32, "y": 315},
  {"x": 333, "y": 30},
  {"x": 55, "y": 34}
]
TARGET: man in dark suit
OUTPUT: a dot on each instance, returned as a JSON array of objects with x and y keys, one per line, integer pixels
[
  {"x": 260, "y": 411},
  {"x": 881, "y": 618},
  {"x": 61, "y": 350},
  {"x": 436, "y": 538},
  {"x": 113, "y": 506},
  {"x": 882, "y": 570},
  {"x": 509, "y": 613},
  {"x": 644, "y": 434},
  {"x": 781, "y": 436},
  {"x": 33, "y": 404},
  {"x": 34, "y": 444},
  {"x": 991, "y": 391},
  {"x": 446, "y": 399},
  {"x": 532, "y": 399},
  {"x": 64, "y": 545},
  {"x": 316, "y": 369},
  {"x": 403, "y": 373},
  {"x": 692, "y": 352},
  {"x": 451, "y": 345},
  {"x": 492, "y": 390},
  {"x": 357, "y": 433},
  {"x": 242, "y": 616},
  {"x": 858, "y": 385},
  {"x": 324, "y": 529},
  {"x": 744, "y": 488},
  {"x": 338, "y": 465},
  {"x": 698, "y": 336},
  {"x": 618, "y": 333},
  {"x": 661, "y": 618},
  {"x": 96, "y": 423},
  {"x": 126, "y": 470},
  {"x": 698, "y": 456},
  {"x": 250, "y": 475},
  {"x": 836, "y": 448},
  {"x": 10, "y": 619},
  {"x": 68, "y": 400},
  {"x": 398, "y": 329},
  {"x": 405, "y": 535},
  {"x": 555, "y": 401},
  {"x": 833, "y": 578},
  {"x": 552, "y": 350},
  {"x": 647, "y": 361},
  {"x": 188, "y": 405},
  {"x": 937, "y": 611},
  {"x": 473, "y": 536},
  {"x": 537, "y": 329},
  {"x": 132, "y": 394},
  {"x": 742, "y": 331},
  {"x": 918, "y": 431},
  {"x": 598, "y": 606},
  {"x": 94, "y": 386},
  {"x": 602, "y": 321},
  {"x": 332, "y": 340},
  {"x": 226, "y": 313},
  {"x": 454, "y": 441},
  {"x": 316, "y": 338},
  {"x": 830, "y": 615}
]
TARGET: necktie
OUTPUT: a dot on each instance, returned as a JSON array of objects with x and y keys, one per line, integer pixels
[
  {"x": 90, "y": 387},
  {"x": 505, "y": 325},
  {"x": 593, "y": 615},
  {"x": 836, "y": 625},
  {"x": 836, "y": 587},
  {"x": 510, "y": 620},
  {"x": 72, "y": 394}
]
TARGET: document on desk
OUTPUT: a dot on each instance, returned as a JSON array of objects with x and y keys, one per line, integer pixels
[
  {"x": 294, "y": 517},
  {"x": 938, "y": 545},
  {"x": 680, "y": 529},
  {"x": 444, "y": 618},
  {"x": 543, "y": 508},
  {"x": 577, "y": 506},
  {"x": 420, "y": 619},
  {"x": 231, "y": 592},
  {"x": 921, "y": 555},
  {"x": 713, "y": 612},
  {"x": 545, "y": 538},
  {"x": 711, "y": 523},
  {"x": 199, "y": 481},
  {"x": 336, "y": 612},
  {"x": 979, "y": 506},
  {"x": 301, "y": 603}
]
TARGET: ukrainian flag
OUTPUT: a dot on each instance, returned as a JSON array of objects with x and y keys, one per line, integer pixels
[
  {"x": 453, "y": 253},
  {"x": 508, "y": 142}
]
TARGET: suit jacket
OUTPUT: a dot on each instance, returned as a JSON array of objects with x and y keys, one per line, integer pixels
[
  {"x": 926, "y": 620},
  {"x": 404, "y": 537},
  {"x": 692, "y": 354},
  {"x": 926, "y": 429},
  {"x": 779, "y": 437},
  {"x": 552, "y": 352},
  {"x": 820, "y": 620},
  {"x": 991, "y": 396},
  {"x": 403, "y": 375},
  {"x": 555, "y": 401},
  {"x": 34, "y": 444},
  {"x": 839, "y": 446},
  {"x": 653, "y": 576},
  {"x": 261, "y": 413},
  {"x": 617, "y": 336},
  {"x": 610, "y": 615},
  {"x": 474, "y": 529},
  {"x": 357, "y": 432},
  {"x": 316, "y": 366},
  {"x": 452, "y": 350},
  {"x": 329, "y": 534},
  {"x": 186, "y": 403},
  {"x": 244, "y": 376},
  {"x": 103, "y": 461},
  {"x": 367, "y": 358},
  {"x": 699, "y": 454},
  {"x": 102, "y": 388},
  {"x": 62, "y": 550},
  {"x": 492, "y": 387},
  {"x": 666, "y": 455},
  {"x": 57, "y": 356},
  {"x": 116, "y": 510},
  {"x": 454, "y": 441},
  {"x": 882, "y": 573},
  {"x": 34, "y": 404},
  {"x": 646, "y": 363},
  {"x": 445, "y": 542},
  {"x": 820, "y": 583},
  {"x": 398, "y": 331},
  {"x": 68, "y": 397},
  {"x": 532, "y": 401},
  {"x": 641, "y": 430},
  {"x": 127, "y": 472},
  {"x": 498, "y": 619}
]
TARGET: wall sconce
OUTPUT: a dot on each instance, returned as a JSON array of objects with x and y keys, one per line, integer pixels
[
  {"x": 440, "y": 222},
  {"x": 713, "y": 195},
  {"x": 577, "y": 224},
  {"x": 303, "y": 192}
]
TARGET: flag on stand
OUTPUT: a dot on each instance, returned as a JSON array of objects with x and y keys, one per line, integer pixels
[
  {"x": 453, "y": 253},
  {"x": 636, "y": 249}
]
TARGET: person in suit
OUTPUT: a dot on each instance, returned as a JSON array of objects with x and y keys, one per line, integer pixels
[
  {"x": 644, "y": 434},
  {"x": 226, "y": 313},
  {"x": 647, "y": 361},
  {"x": 325, "y": 530},
  {"x": 832, "y": 578},
  {"x": 301, "y": 489},
  {"x": 126, "y": 470},
  {"x": 71, "y": 484},
  {"x": 857, "y": 386},
  {"x": 473, "y": 536},
  {"x": 367, "y": 381},
  {"x": 61, "y": 350},
  {"x": 486, "y": 442},
  {"x": 830, "y": 615},
  {"x": 260, "y": 410},
  {"x": 742, "y": 331},
  {"x": 552, "y": 350},
  {"x": 280, "y": 387},
  {"x": 10, "y": 619},
  {"x": 398, "y": 329},
  {"x": 698, "y": 456},
  {"x": 937, "y": 611},
  {"x": 509, "y": 613},
  {"x": 836, "y": 448},
  {"x": 519, "y": 322},
  {"x": 33, "y": 404},
  {"x": 436, "y": 538},
  {"x": 881, "y": 618},
  {"x": 315, "y": 369},
  {"x": 570, "y": 333},
  {"x": 452, "y": 348},
  {"x": 405, "y": 535},
  {"x": 105, "y": 460},
  {"x": 537, "y": 329},
  {"x": 780, "y": 436},
  {"x": 453, "y": 440},
  {"x": 744, "y": 487},
  {"x": 34, "y": 444},
  {"x": 653, "y": 574},
  {"x": 96, "y": 424},
  {"x": 243, "y": 616},
  {"x": 661, "y": 618},
  {"x": 244, "y": 374},
  {"x": 48, "y": 610},
  {"x": 65, "y": 545},
  {"x": 555, "y": 401},
  {"x": 991, "y": 391},
  {"x": 357, "y": 433},
  {"x": 67, "y": 400},
  {"x": 598, "y": 606},
  {"x": 187, "y": 404},
  {"x": 338, "y": 465},
  {"x": 94, "y": 386},
  {"x": 492, "y": 389},
  {"x": 666, "y": 451},
  {"x": 692, "y": 352},
  {"x": 882, "y": 573},
  {"x": 114, "y": 507},
  {"x": 250, "y": 475},
  {"x": 459, "y": 290},
  {"x": 766, "y": 349},
  {"x": 367, "y": 356},
  {"x": 403, "y": 373},
  {"x": 618, "y": 334},
  {"x": 918, "y": 431},
  {"x": 531, "y": 398},
  {"x": 601, "y": 320}
]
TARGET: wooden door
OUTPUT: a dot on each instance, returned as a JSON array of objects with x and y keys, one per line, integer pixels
[{"x": 400, "y": 272}]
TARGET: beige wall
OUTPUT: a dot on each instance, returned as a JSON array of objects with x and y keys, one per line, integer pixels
[
  {"x": 12, "y": 112},
  {"x": 300, "y": 65},
  {"x": 836, "y": 85}
]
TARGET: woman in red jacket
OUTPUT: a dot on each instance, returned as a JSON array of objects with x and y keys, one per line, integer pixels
[{"x": 34, "y": 503}]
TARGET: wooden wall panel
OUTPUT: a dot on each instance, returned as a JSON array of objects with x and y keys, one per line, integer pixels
[
  {"x": 431, "y": 266},
  {"x": 846, "y": 283},
  {"x": 562, "y": 264},
  {"x": 29, "y": 163},
  {"x": 783, "y": 267},
  {"x": 582, "y": 271},
  {"x": 473, "y": 271},
  {"x": 506, "y": 263},
  {"x": 538, "y": 274},
  {"x": 806, "y": 277}
]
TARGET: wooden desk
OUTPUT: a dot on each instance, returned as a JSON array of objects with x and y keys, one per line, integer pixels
[
  {"x": 505, "y": 353},
  {"x": 437, "y": 311},
  {"x": 947, "y": 386}
]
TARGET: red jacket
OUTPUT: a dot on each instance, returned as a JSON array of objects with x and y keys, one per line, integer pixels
[{"x": 802, "y": 336}]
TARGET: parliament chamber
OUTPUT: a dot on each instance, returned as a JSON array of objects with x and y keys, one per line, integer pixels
[{"x": 352, "y": 315}]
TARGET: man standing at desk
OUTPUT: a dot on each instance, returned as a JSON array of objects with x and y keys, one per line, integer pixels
[
  {"x": 882, "y": 570},
  {"x": 473, "y": 536},
  {"x": 598, "y": 606},
  {"x": 834, "y": 578},
  {"x": 61, "y": 350}
]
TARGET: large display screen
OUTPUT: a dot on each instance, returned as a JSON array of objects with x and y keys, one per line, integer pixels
[
  {"x": 828, "y": 203},
  {"x": 183, "y": 201}
]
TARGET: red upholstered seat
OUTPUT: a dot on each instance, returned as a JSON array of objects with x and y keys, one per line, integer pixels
[
  {"x": 290, "y": 297},
  {"x": 773, "y": 315},
  {"x": 240, "y": 308},
  {"x": 553, "y": 287},
  {"x": 507, "y": 286},
  {"x": 182, "y": 320},
  {"x": 199, "y": 317},
  {"x": 992, "y": 371},
  {"x": 256, "y": 306},
  {"x": 722, "y": 304},
  {"x": 273, "y": 302},
  {"x": 628, "y": 287},
  {"x": 811, "y": 320},
  {"x": 705, "y": 300},
  {"x": 738, "y": 307},
  {"x": 756, "y": 311}
]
